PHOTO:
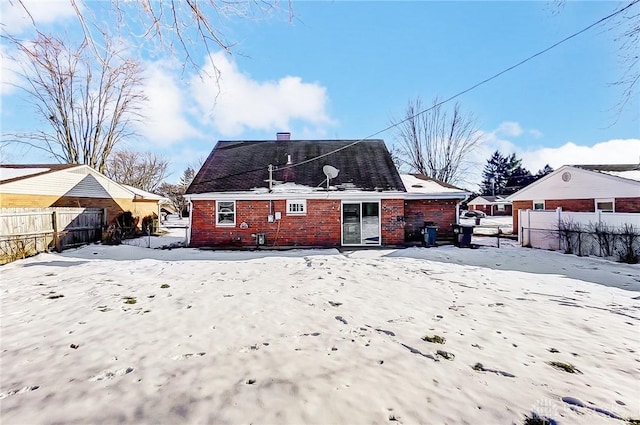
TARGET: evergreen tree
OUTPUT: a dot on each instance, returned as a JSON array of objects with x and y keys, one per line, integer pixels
[
  {"x": 503, "y": 175},
  {"x": 494, "y": 175}
]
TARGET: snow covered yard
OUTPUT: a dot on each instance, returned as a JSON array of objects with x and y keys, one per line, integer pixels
[{"x": 123, "y": 334}]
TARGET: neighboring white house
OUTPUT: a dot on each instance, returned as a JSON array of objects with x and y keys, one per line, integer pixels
[
  {"x": 491, "y": 205},
  {"x": 582, "y": 188}
]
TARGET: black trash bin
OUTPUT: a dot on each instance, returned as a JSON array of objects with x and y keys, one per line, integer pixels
[
  {"x": 462, "y": 235},
  {"x": 430, "y": 233}
]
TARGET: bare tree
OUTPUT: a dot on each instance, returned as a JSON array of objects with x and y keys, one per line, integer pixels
[
  {"x": 436, "y": 142},
  {"x": 142, "y": 170},
  {"x": 175, "y": 192},
  {"x": 89, "y": 103},
  {"x": 178, "y": 25}
]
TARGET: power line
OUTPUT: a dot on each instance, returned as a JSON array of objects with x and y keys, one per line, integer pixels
[{"x": 449, "y": 99}]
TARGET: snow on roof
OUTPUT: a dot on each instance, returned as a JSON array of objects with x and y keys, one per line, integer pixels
[
  {"x": 144, "y": 193},
  {"x": 630, "y": 175},
  {"x": 414, "y": 184},
  {"x": 7, "y": 173}
]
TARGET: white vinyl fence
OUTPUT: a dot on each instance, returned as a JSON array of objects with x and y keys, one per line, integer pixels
[
  {"x": 582, "y": 233},
  {"x": 28, "y": 231}
]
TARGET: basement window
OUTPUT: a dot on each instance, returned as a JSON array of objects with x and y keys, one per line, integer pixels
[
  {"x": 538, "y": 205},
  {"x": 296, "y": 207},
  {"x": 225, "y": 213},
  {"x": 605, "y": 205}
]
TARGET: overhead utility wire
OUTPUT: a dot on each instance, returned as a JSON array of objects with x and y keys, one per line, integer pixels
[
  {"x": 466, "y": 90},
  {"x": 449, "y": 99}
]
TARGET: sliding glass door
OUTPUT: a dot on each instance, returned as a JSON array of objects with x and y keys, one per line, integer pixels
[{"x": 361, "y": 223}]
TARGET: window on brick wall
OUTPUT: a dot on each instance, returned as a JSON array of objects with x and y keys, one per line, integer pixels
[
  {"x": 296, "y": 207},
  {"x": 500, "y": 207},
  {"x": 605, "y": 205},
  {"x": 225, "y": 213},
  {"x": 538, "y": 205}
]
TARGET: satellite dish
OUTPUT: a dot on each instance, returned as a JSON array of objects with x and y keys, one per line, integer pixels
[{"x": 330, "y": 172}]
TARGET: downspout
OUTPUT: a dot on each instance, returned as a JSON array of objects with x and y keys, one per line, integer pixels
[{"x": 188, "y": 231}]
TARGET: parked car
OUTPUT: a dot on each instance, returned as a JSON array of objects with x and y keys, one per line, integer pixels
[{"x": 475, "y": 213}]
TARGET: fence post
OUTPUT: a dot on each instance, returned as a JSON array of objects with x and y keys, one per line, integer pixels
[
  {"x": 559, "y": 212},
  {"x": 56, "y": 236}
]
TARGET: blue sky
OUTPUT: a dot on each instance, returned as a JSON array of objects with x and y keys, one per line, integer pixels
[{"x": 343, "y": 69}]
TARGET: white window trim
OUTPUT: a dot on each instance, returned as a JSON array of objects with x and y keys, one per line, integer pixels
[
  {"x": 501, "y": 207},
  {"x": 603, "y": 200},
  {"x": 302, "y": 202},
  {"x": 218, "y": 224},
  {"x": 538, "y": 202}
]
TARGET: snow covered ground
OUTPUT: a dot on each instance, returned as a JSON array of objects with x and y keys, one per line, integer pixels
[{"x": 123, "y": 334}]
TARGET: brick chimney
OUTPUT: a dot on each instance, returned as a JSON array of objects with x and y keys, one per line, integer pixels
[{"x": 283, "y": 136}]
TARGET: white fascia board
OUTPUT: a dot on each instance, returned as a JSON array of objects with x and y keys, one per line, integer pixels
[
  {"x": 444, "y": 195},
  {"x": 249, "y": 196},
  {"x": 338, "y": 195}
]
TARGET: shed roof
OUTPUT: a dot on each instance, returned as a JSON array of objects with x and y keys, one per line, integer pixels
[{"x": 238, "y": 166}]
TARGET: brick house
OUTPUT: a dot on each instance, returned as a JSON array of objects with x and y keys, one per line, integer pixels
[
  {"x": 312, "y": 193},
  {"x": 491, "y": 205},
  {"x": 71, "y": 185},
  {"x": 582, "y": 188}
]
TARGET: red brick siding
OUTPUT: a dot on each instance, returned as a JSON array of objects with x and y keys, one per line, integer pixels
[
  {"x": 487, "y": 209},
  {"x": 628, "y": 205},
  {"x": 440, "y": 211},
  {"x": 321, "y": 226},
  {"x": 392, "y": 221},
  {"x": 519, "y": 205},
  {"x": 576, "y": 205}
]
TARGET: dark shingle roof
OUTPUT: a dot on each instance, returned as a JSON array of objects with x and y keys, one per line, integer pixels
[
  {"x": 236, "y": 166},
  {"x": 610, "y": 167}
]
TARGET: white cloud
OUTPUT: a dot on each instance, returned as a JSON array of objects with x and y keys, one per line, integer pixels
[
  {"x": 509, "y": 129},
  {"x": 165, "y": 122},
  {"x": 616, "y": 151},
  {"x": 235, "y": 102},
  {"x": 9, "y": 72},
  {"x": 15, "y": 18}
]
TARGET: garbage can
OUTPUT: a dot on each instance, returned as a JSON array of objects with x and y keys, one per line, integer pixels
[
  {"x": 430, "y": 233},
  {"x": 462, "y": 235},
  {"x": 477, "y": 221}
]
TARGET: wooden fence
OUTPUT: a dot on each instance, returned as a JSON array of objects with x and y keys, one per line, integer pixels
[{"x": 28, "y": 231}]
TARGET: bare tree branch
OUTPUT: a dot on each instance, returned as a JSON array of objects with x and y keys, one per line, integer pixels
[
  {"x": 436, "y": 143},
  {"x": 89, "y": 103},
  {"x": 145, "y": 171}
]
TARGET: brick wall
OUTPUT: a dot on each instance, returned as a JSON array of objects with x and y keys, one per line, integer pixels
[
  {"x": 575, "y": 205},
  {"x": 628, "y": 205},
  {"x": 440, "y": 211},
  {"x": 519, "y": 205},
  {"x": 392, "y": 221},
  {"x": 321, "y": 226},
  {"x": 631, "y": 205}
]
